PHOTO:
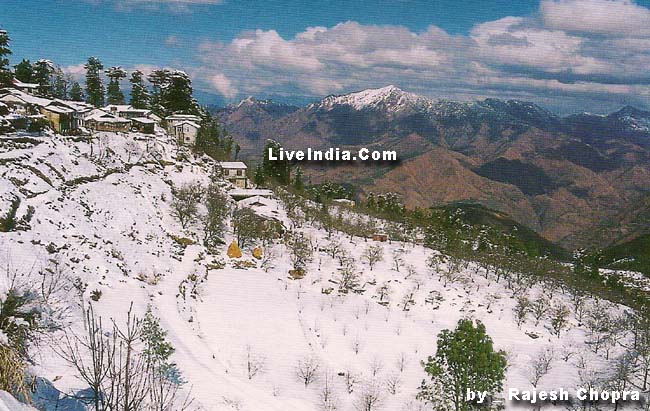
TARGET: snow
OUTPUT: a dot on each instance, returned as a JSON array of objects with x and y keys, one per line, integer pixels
[
  {"x": 106, "y": 208},
  {"x": 232, "y": 165},
  {"x": 390, "y": 97},
  {"x": 9, "y": 403}
]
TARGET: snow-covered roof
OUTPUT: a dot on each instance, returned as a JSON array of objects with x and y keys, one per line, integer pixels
[
  {"x": 232, "y": 164},
  {"x": 100, "y": 115},
  {"x": 191, "y": 123},
  {"x": 190, "y": 117},
  {"x": 17, "y": 96},
  {"x": 58, "y": 109},
  {"x": 249, "y": 192},
  {"x": 144, "y": 120},
  {"x": 79, "y": 106},
  {"x": 257, "y": 201},
  {"x": 20, "y": 84}
]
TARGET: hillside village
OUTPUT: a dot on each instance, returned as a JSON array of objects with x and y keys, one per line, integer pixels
[{"x": 138, "y": 257}]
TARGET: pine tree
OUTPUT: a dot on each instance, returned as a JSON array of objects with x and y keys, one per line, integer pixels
[
  {"x": 5, "y": 74},
  {"x": 139, "y": 92},
  {"x": 76, "y": 93},
  {"x": 43, "y": 70},
  {"x": 94, "y": 85},
  {"x": 24, "y": 71},
  {"x": 114, "y": 94},
  {"x": 60, "y": 84},
  {"x": 278, "y": 171},
  {"x": 465, "y": 360},
  {"x": 176, "y": 96},
  {"x": 158, "y": 80}
]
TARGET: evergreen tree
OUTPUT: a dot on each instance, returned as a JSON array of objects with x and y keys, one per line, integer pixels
[
  {"x": 114, "y": 94},
  {"x": 43, "y": 70},
  {"x": 157, "y": 350},
  {"x": 211, "y": 141},
  {"x": 176, "y": 96},
  {"x": 76, "y": 93},
  {"x": 24, "y": 71},
  {"x": 158, "y": 80},
  {"x": 278, "y": 171},
  {"x": 5, "y": 74},
  {"x": 139, "y": 92},
  {"x": 465, "y": 360},
  {"x": 94, "y": 85},
  {"x": 60, "y": 84}
]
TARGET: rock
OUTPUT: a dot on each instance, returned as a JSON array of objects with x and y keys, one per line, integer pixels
[
  {"x": 257, "y": 252},
  {"x": 233, "y": 250}
]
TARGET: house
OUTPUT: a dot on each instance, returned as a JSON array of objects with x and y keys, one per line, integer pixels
[
  {"x": 143, "y": 125},
  {"x": 24, "y": 87},
  {"x": 99, "y": 120},
  {"x": 59, "y": 117},
  {"x": 23, "y": 103},
  {"x": 233, "y": 171},
  {"x": 184, "y": 127},
  {"x": 185, "y": 131},
  {"x": 126, "y": 111},
  {"x": 80, "y": 111}
]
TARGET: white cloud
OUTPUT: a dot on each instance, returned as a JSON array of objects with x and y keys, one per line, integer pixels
[
  {"x": 223, "y": 85},
  {"x": 609, "y": 17}
]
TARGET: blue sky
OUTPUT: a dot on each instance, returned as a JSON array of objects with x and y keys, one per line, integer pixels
[{"x": 569, "y": 55}]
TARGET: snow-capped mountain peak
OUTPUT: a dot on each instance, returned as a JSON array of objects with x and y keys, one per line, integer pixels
[{"x": 389, "y": 98}]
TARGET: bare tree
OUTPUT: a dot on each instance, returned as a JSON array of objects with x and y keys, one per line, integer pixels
[
  {"x": 307, "y": 370},
  {"x": 540, "y": 366},
  {"x": 383, "y": 292},
  {"x": 328, "y": 398},
  {"x": 521, "y": 310},
  {"x": 401, "y": 362},
  {"x": 300, "y": 250},
  {"x": 539, "y": 308},
  {"x": 370, "y": 398},
  {"x": 398, "y": 260},
  {"x": 393, "y": 382},
  {"x": 373, "y": 254},
  {"x": 376, "y": 365},
  {"x": 185, "y": 203},
  {"x": 254, "y": 363},
  {"x": 351, "y": 380},
  {"x": 349, "y": 278},
  {"x": 559, "y": 316}
]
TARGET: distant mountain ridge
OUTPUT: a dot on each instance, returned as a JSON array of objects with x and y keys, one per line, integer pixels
[{"x": 567, "y": 178}]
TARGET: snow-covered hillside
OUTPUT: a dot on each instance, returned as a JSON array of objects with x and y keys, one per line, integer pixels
[{"x": 101, "y": 210}]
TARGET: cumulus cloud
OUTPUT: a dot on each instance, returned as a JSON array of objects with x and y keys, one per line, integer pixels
[
  {"x": 223, "y": 85},
  {"x": 609, "y": 17},
  {"x": 572, "y": 50}
]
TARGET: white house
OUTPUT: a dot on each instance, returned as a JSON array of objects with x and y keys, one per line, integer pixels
[
  {"x": 184, "y": 127},
  {"x": 235, "y": 172},
  {"x": 186, "y": 132}
]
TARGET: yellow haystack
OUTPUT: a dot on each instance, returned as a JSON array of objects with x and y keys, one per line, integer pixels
[{"x": 233, "y": 250}]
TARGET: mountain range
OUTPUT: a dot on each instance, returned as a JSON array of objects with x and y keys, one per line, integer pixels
[{"x": 578, "y": 181}]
